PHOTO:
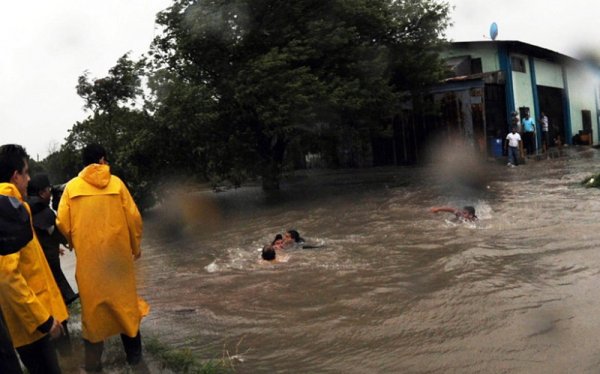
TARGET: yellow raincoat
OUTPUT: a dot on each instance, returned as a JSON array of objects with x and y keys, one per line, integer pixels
[
  {"x": 101, "y": 221},
  {"x": 28, "y": 292}
]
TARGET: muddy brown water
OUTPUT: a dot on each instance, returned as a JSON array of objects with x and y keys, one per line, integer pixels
[{"x": 395, "y": 288}]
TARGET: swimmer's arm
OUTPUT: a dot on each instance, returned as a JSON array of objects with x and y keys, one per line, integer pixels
[{"x": 448, "y": 209}]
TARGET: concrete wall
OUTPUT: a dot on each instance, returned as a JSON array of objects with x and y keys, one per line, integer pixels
[
  {"x": 548, "y": 74},
  {"x": 582, "y": 85},
  {"x": 522, "y": 88},
  {"x": 487, "y": 54}
]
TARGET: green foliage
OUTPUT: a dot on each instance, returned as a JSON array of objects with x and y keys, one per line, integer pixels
[
  {"x": 126, "y": 133},
  {"x": 593, "y": 181},
  {"x": 121, "y": 86},
  {"x": 184, "y": 360},
  {"x": 62, "y": 165},
  {"x": 278, "y": 71},
  {"x": 239, "y": 89}
]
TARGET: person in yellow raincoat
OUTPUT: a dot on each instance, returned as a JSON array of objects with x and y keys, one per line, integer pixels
[
  {"x": 31, "y": 301},
  {"x": 99, "y": 218}
]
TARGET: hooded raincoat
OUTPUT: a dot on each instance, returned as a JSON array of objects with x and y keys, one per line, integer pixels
[
  {"x": 101, "y": 221},
  {"x": 29, "y": 295}
]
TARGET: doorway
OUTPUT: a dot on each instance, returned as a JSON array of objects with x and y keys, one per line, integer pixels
[{"x": 551, "y": 103}]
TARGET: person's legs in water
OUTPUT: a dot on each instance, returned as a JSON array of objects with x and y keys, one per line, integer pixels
[
  {"x": 513, "y": 156},
  {"x": 63, "y": 343},
  {"x": 93, "y": 356},
  {"x": 515, "y": 151},
  {"x": 133, "y": 348},
  {"x": 9, "y": 363},
  {"x": 40, "y": 357}
]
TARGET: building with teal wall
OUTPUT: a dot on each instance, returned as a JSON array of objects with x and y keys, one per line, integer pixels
[{"x": 505, "y": 76}]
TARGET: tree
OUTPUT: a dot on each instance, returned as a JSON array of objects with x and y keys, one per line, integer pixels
[
  {"x": 255, "y": 75},
  {"x": 125, "y": 132}
]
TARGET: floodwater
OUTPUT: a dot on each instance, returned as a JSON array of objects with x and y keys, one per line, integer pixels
[{"x": 395, "y": 288}]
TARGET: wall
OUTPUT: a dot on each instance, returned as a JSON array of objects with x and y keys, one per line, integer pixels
[
  {"x": 548, "y": 74},
  {"x": 582, "y": 83},
  {"x": 522, "y": 88},
  {"x": 488, "y": 55}
]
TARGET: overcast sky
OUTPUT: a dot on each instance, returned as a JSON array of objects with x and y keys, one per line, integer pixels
[
  {"x": 568, "y": 27},
  {"x": 46, "y": 45}
]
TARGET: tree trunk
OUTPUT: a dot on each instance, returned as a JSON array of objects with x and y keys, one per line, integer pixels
[
  {"x": 271, "y": 174},
  {"x": 270, "y": 181}
]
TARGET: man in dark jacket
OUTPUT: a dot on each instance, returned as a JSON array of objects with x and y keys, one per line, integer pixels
[
  {"x": 39, "y": 192},
  {"x": 15, "y": 232},
  {"x": 38, "y": 197}
]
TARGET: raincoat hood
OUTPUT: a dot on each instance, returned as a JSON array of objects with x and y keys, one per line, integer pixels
[{"x": 97, "y": 175}]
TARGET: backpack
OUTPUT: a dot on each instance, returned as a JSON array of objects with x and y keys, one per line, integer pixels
[{"x": 15, "y": 225}]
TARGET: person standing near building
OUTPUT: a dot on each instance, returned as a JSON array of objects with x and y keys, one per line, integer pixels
[
  {"x": 529, "y": 134},
  {"x": 515, "y": 121},
  {"x": 513, "y": 141},
  {"x": 102, "y": 223},
  {"x": 31, "y": 302},
  {"x": 545, "y": 134}
]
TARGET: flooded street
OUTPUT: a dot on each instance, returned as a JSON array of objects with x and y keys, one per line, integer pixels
[{"x": 395, "y": 288}]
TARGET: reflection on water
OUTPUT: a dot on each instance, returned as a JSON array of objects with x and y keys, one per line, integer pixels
[{"x": 395, "y": 288}]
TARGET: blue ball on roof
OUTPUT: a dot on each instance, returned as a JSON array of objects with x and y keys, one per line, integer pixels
[{"x": 493, "y": 30}]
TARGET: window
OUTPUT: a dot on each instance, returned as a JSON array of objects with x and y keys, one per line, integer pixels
[
  {"x": 476, "y": 66},
  {"x": 586, "y": 119},
  {"x": 518, "y": 64}
]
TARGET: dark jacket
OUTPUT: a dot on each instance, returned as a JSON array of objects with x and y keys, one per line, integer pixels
[
  {"x": 43, "y": 223},
  {"x": 15, "y": 226}
]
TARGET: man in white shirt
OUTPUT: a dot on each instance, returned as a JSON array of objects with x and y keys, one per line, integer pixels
[
  {"x": 512, "y": 146},
  {"x": 545, "y": 133}
]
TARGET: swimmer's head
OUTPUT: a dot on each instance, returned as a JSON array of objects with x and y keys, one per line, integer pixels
[
  {"x": 268, "y": 253},
  {"x": 277, "y": 237},
  {"x": 294, "y": 235},
  {"x": 469, "y": 212}
]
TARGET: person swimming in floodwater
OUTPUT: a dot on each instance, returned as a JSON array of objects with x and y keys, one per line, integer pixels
[
  {"x": 278, "y": 241},
  {"x": 268, "y": 253},
  {"x": 467, "y": 213},
  {"x": 292, "y": 237}
]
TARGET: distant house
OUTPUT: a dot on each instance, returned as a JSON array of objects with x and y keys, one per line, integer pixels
[{"x": 491, "y": 79}]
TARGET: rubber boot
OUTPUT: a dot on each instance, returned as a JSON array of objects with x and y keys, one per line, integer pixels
[{"x": 93, "y": 356}]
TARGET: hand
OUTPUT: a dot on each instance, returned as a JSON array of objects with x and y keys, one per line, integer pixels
[
  {"x": 433, "y": 210},
  {"x": 56, "y": 331},
  {"x": 137, "y": 257},
  {"x": 61, "y": 251}
]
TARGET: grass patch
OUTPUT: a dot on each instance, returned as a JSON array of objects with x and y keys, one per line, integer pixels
[
  {"x": 158, "y": 356},
  {"x": 184, "y": 360},
  {"x": 75, "y": 308},
  {"x": 593, "y": 181}
]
